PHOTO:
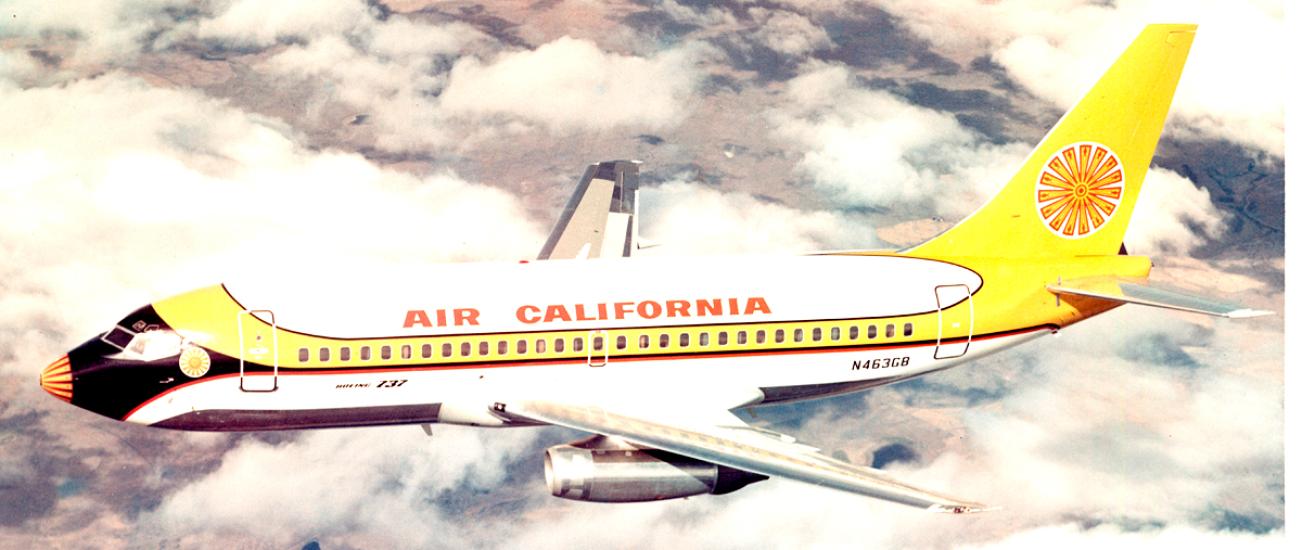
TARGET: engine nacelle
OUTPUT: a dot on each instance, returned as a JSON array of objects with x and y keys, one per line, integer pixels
[{"x": 599, "y": 473}]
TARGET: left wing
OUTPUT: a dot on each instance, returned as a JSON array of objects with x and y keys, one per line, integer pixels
[
  {"x": 600, "y": 219},
  {"x": 725, "y": 440}
]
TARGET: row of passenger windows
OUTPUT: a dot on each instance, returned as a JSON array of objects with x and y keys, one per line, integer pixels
[{"x": 558, "y": 345}]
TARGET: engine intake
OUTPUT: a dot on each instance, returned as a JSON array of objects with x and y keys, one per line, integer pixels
[{"x": 596, "y": 470}]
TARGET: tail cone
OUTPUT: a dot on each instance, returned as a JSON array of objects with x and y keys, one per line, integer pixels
[{"x": 57, "y": 379}]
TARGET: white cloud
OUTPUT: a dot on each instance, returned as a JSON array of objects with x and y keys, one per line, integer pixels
[
  {"x": 393, "y": 93},
  {"x": 1169, "y": 206},
  {"x": 17, "y": 66},
  {"x": 571, "y": 84},
  {"x": 88, "y": 34},
  {"x": 391, "y": 71},
  {"x": 788, "y": 32},
  {"x": 106, "y": 212},
  {"x": 1231, "y": 89},
  {"x": 1085, "y": 433},
  {"x": 864, "y": 147},
  {"x": 250, "y": 23},
  {"x": 335, "y": 59},
  {"x": 1074, "y": 536},
  {"x": 700, "y": 15},
  {"x": 401, "y": 38},
  {"x": 374, "y": 486},
  {"x": 691, "y": 219}
]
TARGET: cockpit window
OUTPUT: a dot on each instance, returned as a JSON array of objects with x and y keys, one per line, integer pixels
[
  {"x": 119, "y": 337},
  {"x": 144, "y": 346}
]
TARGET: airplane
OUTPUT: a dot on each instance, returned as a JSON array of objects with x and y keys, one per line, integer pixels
[{"x": 653, "y": 355}]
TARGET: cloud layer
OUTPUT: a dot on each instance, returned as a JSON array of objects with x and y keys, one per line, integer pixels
[
  {"x": 570, "y": 84},
  {"x": 1231, "y": 87},
  {"x": 188, "y": 191}
]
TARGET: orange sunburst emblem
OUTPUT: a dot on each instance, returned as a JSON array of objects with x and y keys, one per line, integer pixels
[
  {"x": 1079, "y": 189},
  {"x": 57, "y": 379},
  {"x": 195, "y": 361}
]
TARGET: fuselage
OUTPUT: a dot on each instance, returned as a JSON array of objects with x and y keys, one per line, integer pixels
[{"x": 442, "y": 344}]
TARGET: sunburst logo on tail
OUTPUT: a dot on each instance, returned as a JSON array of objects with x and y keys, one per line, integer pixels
[{"x": 1079, "y": 189}]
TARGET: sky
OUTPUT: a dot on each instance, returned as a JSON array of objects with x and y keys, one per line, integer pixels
[{"x": 154, "y": 146}]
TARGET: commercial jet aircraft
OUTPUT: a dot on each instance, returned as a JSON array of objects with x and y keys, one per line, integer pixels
[{"x": 652, "y": 355}]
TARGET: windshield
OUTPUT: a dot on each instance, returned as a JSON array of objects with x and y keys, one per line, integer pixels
[
  {"x": 144, "y": 346},
  {"x": 142, "y": 336}
]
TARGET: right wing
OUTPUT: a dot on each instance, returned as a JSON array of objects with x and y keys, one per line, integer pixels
[
  {"x": 600, "y": 220},
  {"x": 722, "y": 438}
]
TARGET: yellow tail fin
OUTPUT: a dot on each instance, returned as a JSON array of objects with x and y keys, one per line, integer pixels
[{"x": 1076, "y": 192}]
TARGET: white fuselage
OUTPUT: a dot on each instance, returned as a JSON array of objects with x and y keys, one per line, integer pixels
[{"x": 847, "y": 301}]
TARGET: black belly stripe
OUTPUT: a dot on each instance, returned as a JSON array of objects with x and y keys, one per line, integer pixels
[{"x": 235, "y": 420}]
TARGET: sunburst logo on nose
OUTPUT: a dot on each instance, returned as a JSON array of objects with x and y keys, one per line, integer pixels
[
  {"x": 1079, "y": 189},
  {"x": 57, "y": 379},
  {"x": 195, "y": 361}
]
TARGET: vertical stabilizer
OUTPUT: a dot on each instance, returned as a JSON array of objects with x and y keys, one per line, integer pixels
[{"x": 1075, "y": 194}]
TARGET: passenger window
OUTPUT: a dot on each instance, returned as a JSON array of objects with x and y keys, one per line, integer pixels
[
  {"x": 303, "y": 355},
  {"x": 560, "y": 344},
  {"x": 447, "y": 350},
  {"x": 521, "y": 347},
  {"x": 836, "y": 333},
  {"x": 386, "y": 352},
  {"x": 426, "y": 351},
  {"x": 872, "y": 331},
  {"x": 759, "y": 337},
  {"x": 798, "y": 335},
  {"x": 705, "y": 339},
  {"x": 817, "y": 334},
  {"x": 779, "y": 336},
  {"x": 598, "y": 342},
  {"x": 908, "y": 329},
  {"x": 483, "y": 348},
  {"x": 741, "y": 337},
  {"x": 621, "y": 342},
  {"x": 540, "y": 346},
  {"x": 345, "y": 353},
  {"x": 366, "y": 353},
  {"x": 854, "y": 332},
  {"x": 684, "y": 340},
  {"x": 723, "y": 338},
  {"x": 324, "y": 354},
  {"x": 502, "y": 347},
  {"x": 406, "y": 351},
  {"x": 578, "y": 343},
  {"x": 664, "y": 341},
  {"x": 465, "y": 349},
  {"x": 644, "y": 341},
  {"x": 890, "y": 330}
]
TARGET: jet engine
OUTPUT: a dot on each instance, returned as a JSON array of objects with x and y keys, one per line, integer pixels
[{"x": 602, "y": 469}]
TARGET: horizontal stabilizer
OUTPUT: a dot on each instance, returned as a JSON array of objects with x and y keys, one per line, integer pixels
[{"x": 1136, "y": 291}]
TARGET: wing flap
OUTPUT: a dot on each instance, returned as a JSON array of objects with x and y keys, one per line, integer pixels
[
  {"x": 752, "y": 450},
  {"x": 1138, "y": 291}
]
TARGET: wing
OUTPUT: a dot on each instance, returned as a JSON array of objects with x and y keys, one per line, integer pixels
[
  {"x": 1137, "y": 291},
  {"x": 600, "y": 220},
  {"x": 724, "y": 439}
]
